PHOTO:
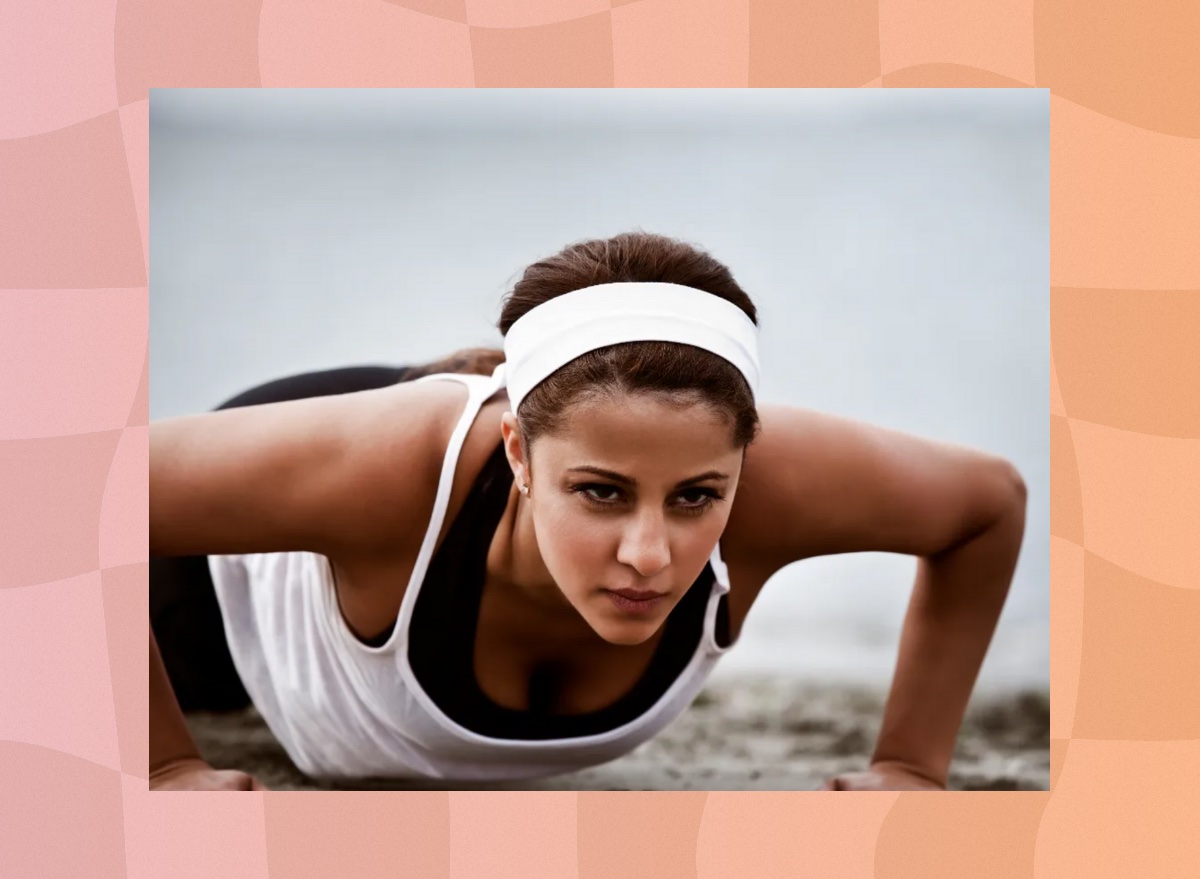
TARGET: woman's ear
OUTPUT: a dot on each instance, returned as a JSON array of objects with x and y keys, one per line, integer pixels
[{"x": 510, "y": 432}]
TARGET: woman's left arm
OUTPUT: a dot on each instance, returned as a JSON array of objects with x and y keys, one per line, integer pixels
[
  {"x": 815, "y": 484},
  {"x": 951, "y": 617}
]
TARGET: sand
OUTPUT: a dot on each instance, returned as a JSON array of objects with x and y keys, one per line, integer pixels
[{"x": 753, "y": 733}]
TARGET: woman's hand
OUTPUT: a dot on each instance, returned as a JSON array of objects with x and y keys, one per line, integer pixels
[
  {"x": 195, "y": 774},
  {"x": 882, "y": 776}
]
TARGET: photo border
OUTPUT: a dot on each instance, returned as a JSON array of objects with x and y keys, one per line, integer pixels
[{"x": 1125, "y": 438}]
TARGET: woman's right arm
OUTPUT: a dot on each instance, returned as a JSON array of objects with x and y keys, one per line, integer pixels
[
  {"x": 175, "y": 762},
  {"x": 334, "y": 475},
  {"x": 324, "y": 474}
]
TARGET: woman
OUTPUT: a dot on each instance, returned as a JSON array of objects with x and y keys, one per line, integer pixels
[{"x": 483, "y": 571}]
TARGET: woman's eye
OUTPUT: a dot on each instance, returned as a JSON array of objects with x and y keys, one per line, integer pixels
[
  {"x": 602, "y": 493},
  {"x": 701, "y": 500}
]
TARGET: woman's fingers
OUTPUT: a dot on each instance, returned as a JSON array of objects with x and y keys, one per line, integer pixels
[
  {"x": 231, "y": 779},
  {"x": 243, "y": 781},
  {"x": 881, "y": 779},
  {"x": 195, "y": 774}
]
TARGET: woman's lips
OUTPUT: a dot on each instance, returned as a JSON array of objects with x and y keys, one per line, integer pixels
[
  {"x": 635, "y": 601},
  {"x": 637, "y": 594}
]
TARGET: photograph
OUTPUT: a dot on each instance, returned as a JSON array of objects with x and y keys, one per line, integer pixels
[{"x": 599, "y": 439}]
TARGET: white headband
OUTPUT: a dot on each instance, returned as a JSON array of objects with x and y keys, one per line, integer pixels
[{"x": 561, "y": 329}]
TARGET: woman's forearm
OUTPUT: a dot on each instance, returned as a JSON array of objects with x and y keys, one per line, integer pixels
[
  {"x": 170, "y": 739},
  {"x": 951, "y": 617}
]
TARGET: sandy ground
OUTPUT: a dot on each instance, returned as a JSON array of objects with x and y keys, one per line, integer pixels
[{"x": 746, "y": 734}]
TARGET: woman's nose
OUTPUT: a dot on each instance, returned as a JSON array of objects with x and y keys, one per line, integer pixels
[{"x": 644, "y": 546}]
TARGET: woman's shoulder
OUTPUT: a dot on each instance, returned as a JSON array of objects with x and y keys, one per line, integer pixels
[
  {"x": 328, "y": 474},
  {"x": 819, "y": 484},
  {"x": 798, "y": 456},
  {"x": 398, "y": 488},
  {"x": 394, "y": 458},
  {"x": 400, "y": 455}
]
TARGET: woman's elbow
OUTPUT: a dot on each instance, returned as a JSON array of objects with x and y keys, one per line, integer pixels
[
  {"x": 1015, "y": 481},
  {"x": 1007, "y": 490}
]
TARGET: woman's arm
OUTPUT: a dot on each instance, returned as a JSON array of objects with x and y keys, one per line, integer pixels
[
  {"x": 816, "y": 484},
  {"x": 170, "y": 739},
  {"x": 175, "y": 761},
  {"x": 327, "y": 474},
  {"x": 952, "y": 614},
  {"x": 337, "y": 474}
]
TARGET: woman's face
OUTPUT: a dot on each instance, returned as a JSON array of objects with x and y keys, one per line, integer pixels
[{"x": 630, "y": 496}]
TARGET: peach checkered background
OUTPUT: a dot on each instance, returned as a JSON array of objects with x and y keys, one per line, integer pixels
[{"x": 1124, "y": 410}]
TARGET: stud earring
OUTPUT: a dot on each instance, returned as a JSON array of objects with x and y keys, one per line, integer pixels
[{"x": 525, "y": 490}]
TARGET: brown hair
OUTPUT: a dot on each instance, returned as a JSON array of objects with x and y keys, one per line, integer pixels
[
  {"x": 681, "y": 373},
  {"x": 472, "y": 361}
]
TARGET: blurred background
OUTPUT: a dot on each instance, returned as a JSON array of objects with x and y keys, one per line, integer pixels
[{"x": 896, "y": 243}]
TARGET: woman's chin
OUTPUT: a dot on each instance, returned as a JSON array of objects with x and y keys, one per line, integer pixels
[{"x": 625, "y": 633}]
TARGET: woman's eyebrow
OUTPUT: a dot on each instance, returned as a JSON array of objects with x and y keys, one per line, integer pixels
[{"x": 632, "y": 483}]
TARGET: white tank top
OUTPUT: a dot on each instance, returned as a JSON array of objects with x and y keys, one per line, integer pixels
[{"x": 344, "y": 709}]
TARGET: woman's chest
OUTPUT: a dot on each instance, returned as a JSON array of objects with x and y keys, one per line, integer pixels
[
  {"x": 514, "y": 666},
  {"x": 526, "y": 663}
]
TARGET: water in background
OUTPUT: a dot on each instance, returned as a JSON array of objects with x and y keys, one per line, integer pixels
[{"x": 896, "y": 243}]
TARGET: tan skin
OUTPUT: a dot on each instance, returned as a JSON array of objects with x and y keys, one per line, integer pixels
[{"x": 354, "y": 477}]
